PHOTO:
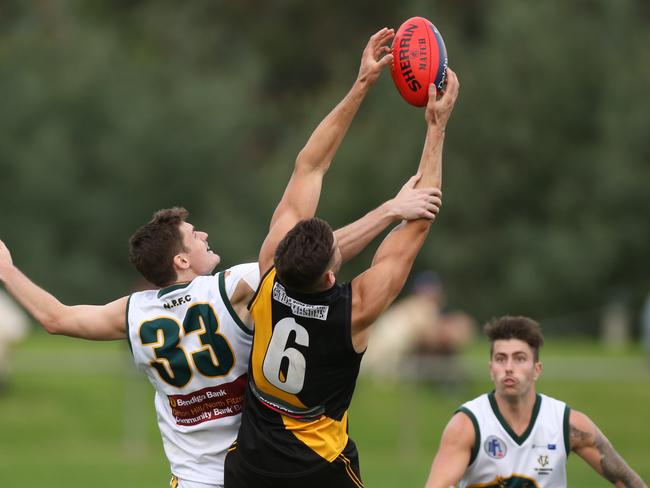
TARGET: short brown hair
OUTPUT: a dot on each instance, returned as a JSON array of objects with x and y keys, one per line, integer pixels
[
  {"x": 153, "y": 246},
  {"x": 522, "y": 328},
  {"x": 302, "y": 256}
]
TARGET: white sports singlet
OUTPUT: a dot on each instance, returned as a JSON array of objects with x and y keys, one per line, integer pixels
[
  {"x": 194, "y": 349},
  {"x": 501, "y": 458}
]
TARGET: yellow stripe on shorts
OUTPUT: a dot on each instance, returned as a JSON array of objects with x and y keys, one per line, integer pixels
[{"x": 348, "y": 468}]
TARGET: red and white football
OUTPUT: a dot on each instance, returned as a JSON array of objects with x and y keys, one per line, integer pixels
[{"x": 419, "y": 58}]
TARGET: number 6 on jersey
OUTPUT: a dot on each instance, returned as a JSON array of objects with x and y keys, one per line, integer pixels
[{"x": 284, "y": 367}]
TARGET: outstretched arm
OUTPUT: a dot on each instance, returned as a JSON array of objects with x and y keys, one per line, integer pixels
[
  {"x": 588, "y": 442},
  {"x": 302, "y": 193},
  {"x": 454, "y": 453},
  {"x": 105, "y": 322},
  {"x": 377, "y": 287},
  {"x": 410, "y": 203}
]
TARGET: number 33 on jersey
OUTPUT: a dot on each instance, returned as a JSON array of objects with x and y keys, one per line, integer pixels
[{"x": 194, "y": 350}]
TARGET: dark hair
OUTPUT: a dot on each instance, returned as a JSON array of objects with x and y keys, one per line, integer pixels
[
  {"x": 302, "y": 256},
  {"x": 153, "y": 246},
  {"x": 522, "y": 328}
]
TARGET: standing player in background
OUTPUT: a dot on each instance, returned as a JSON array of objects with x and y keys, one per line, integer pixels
[
  {"x": 428, "y": 341},
  {"x": 514, "y": 436},
  {"x": 191, "y": 336},
  {"x": 310, "y": 331}
]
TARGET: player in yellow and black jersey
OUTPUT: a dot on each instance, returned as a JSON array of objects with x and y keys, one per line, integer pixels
[
  {"x": 310, "y": 331},
  {"x": 301, "y": 381}
]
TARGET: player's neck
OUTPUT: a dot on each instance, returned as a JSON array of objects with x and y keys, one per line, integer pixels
[
  {"x": 184, "y": 276},
  {"x": 325, "y": 284},
  {"x": 517, "y": 410}
]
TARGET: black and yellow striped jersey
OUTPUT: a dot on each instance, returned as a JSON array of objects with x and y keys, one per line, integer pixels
[{"x": 302, "y": 374}]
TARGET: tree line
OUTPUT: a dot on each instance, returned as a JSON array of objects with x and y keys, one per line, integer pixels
[{"x": 112, "y": 110}]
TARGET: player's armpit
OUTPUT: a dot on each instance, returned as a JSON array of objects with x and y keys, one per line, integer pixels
[
  {"x": 590, "y": 444},
  {"x": 241, "y": 295}
]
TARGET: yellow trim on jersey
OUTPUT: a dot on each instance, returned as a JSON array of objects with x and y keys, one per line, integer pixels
[
  {"x": 261, "y": 313},
  {"x": 326, "y": 437},
  {"x": 174, "y": 482}
]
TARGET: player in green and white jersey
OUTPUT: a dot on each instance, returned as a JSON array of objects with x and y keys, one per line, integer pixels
[{"x": 516, "y": 437}]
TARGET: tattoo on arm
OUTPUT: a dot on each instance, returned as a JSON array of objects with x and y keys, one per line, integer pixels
[
  {"x": 615, "y": 469},
  {"x": 579, "y": 438}
]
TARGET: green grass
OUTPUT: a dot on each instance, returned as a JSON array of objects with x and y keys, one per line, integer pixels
[{"x": 78, "y": 415}]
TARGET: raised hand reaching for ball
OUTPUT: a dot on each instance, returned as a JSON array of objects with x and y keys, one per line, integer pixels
[{"x": 376, "y": 56}]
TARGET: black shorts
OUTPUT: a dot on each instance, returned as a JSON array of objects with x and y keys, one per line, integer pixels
[{"x": 343, "y": 472}]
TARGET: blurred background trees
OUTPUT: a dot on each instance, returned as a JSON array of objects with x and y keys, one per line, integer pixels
[{"x": 113, "y": 109}]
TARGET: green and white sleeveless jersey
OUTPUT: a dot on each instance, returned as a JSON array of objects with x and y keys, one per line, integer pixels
[
  {"x": 194, "y": 350},
  {"x": 501, "y": 458}
]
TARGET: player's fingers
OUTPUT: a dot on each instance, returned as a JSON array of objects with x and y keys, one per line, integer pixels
[
  {"x": 382, "y": 42},
  {"x": 429, "y": 215},
  {"x": 433, "y": 94},
  {"x": 452, "y": 74},
  {"x": 453, "y": 85},
  {"x": 386, "y": 60},
  {"x": 430, "y": 203},
  {"x": 386, "y": 33},
  {"x": 381, "y": 51},
  {"x": 378, "y": 35},
  {"x": 432, "y": 207},
  {"x": 412, "y": 181},
  {"x": 430, "y": 192}
]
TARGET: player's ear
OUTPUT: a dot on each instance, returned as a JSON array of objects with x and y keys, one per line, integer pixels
[
  {"x": 538, "y": 369},
  {"x": 181, "y": 261},
  {"x": 330, "y": 278}
]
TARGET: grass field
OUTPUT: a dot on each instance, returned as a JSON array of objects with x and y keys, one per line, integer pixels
[{"x": 78, "y": 415}]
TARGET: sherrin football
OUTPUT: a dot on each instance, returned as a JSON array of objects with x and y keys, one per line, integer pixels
[{"x": 419, "y": 58}]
